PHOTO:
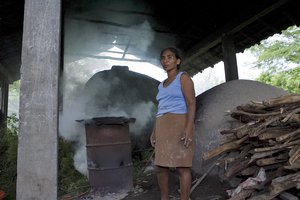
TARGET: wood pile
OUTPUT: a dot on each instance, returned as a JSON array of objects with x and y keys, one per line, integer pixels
[{"x": 268, "y": 141}]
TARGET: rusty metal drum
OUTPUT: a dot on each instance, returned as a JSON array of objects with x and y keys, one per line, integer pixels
[{"x": 108, "y": 148}]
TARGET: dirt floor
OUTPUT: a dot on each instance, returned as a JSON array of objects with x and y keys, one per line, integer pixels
[{"x": 211, "y": 188}]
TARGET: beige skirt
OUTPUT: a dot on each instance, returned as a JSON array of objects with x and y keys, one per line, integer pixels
[{"x": 169, "y": 149}]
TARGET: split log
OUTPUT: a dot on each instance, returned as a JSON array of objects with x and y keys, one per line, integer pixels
[
  {"x": 272, "y": 160},
  {"x": 240, "y": 131},
  {"x": 274, "y": 132},
  {"x": 295, "y": 119},
  {"x": 295, "y": 157},
  {"x": 293, "y": 150},
  {"x": 297, "y": 110},
  {"x": 247, "y": 117},
  {"x": 293, "y": 98},
  {"x": 263, "y": 154},
  {"x": 288, "y": 196},
  {"x": 265, "y": 196},
  {"x": 236, "y": 168},
  {"x": 242, "y": 195},
  {"x": 250, "y": 171},
  {"x": 293, "y": 167},
  {"x": 223, "y": 148},
  {"x": 283, "y": 183},
  {"x": 296, "y": 142},
  {"x": 257, "y": 108},
  {"x": 288, "y": 135},
  {"x": 263, "y": 126}
]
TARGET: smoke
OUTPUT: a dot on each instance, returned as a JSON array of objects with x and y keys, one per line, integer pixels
[
  {"x": 100, "y": 100},
  {"x": 143, "y": 114},
  {"x": 92, "y": 31}
]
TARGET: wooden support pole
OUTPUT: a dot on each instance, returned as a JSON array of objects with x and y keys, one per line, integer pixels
[{"x": 229, "y": 58}]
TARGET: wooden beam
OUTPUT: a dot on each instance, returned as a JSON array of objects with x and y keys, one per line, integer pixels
[
  {"x": 230, "y": 29},
  {"x": 229, "y": 58}
]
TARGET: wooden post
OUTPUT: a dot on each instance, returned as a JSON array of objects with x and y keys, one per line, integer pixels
[
  {"x": 38, "y": 137},
  {"x": 229, "y": 58},
  {"x": 4, "y": 86}
]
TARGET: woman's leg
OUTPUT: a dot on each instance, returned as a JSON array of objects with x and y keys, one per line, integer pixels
[
  {"x": 162, "y": 174},
  {"x": 185, "y": 179}
]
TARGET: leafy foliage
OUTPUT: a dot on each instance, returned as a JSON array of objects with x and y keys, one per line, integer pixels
[
  {"x": 279, "y": 57},
  {"x": 70, "y": 181},
  {"x": 8, "y": 157},
  {"x": 140, "y": 160}
]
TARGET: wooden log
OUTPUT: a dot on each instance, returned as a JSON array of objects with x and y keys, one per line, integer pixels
[
  {"x": 257, "y": 108},
  {"x": 244, "y": 151},
  {"x": 240, "y": 131},
  {"x": 247, "y": 129},
  {"x": 282, "y": 100},
  {"x": 296, "y": 142},
  {"x": 297, "y": 110},
  {"x": 269, "y": 121},
  {"x": 264, "y": 154},
  {"x": 242, "y": 195},
  {"x": 250, "y": 171},
  {"x": 292, "y": 167},
  {"x": 293, "y": 150},
  {"x": 288, "y": 135},
  {"x": 283, "y": 183},
  {"x": 223, "y": 148},
  {"x": 295, "y": 119},
  {"x": 287, "y": 196},
  {"x": 246, "y": 117},
  {"x": 237, "y": 167},
  {"x": 272, "y": 160},
  {"x": 265, "y": 196},
  {"x": 295, "y": 157},
  {"x": 227, "y": 160},
  {"x": 274, "y": 132}
]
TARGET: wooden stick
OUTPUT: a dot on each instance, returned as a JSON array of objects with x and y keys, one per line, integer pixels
[
  {"x": 283, "y": 183},
  {"x": 202, "y": 178},
  {"x": 223, "y": 148},
  {"x": 204, "y": 175},
  {"x": 263, "y": 154},
  {"x": 277, "y": 146},
  {"x": 288, "y": 135},
  {"x": 283, "y": 100}
]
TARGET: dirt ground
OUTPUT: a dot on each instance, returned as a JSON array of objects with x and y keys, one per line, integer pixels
[{"x": 211, "y": 188}]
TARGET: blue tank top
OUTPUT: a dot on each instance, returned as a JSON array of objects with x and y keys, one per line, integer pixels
[{"x": 170, "y": 99}]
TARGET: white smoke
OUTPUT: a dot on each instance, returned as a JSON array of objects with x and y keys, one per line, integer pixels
[
  {"x": 143, "y": 114},
  {"x": 90, "y": 35}
]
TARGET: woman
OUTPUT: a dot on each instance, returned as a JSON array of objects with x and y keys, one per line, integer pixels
[{"x": 173, "y": 134}]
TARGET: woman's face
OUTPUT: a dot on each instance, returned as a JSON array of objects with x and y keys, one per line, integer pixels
[{"x": 168, "y": 60}]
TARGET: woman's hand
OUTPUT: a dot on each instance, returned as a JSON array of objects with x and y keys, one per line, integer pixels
[
  {"x": 187, "y": 138},
  {"x": 153, "y": 139}
]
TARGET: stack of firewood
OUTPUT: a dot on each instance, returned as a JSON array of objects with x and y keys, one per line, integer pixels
[{"x": 268, "y": 139}]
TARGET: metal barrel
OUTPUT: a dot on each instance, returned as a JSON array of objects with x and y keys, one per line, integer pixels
[{"x": 108, "y": 148}]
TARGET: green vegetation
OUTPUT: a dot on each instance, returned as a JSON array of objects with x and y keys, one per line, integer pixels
[
  {"x": 8, "y": 157},
  {"x": 140, "y": 160},
  {"x": 70, "y": 181},
  {"x": 279, "y": 58}
]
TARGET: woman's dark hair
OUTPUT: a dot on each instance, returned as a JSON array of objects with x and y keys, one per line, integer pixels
[{"x": 174, "y": 50}]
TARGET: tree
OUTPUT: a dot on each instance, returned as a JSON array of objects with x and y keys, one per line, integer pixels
[{"x": 279, "y": 58}]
